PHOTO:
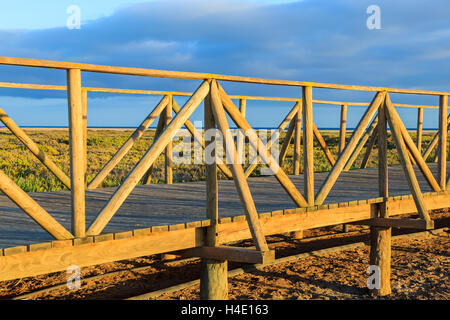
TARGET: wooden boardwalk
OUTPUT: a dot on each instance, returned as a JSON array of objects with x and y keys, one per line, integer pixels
[
  {"x": 104, "y": 225},
  {"x": 162, "y": 204}
]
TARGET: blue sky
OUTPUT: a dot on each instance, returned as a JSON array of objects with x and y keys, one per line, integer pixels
[{"x": 310, "y": 40}]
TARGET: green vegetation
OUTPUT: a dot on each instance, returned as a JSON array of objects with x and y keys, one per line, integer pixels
[{"x": 21, "y": 165}]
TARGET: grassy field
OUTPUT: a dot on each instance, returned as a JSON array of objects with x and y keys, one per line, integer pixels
[{"x": 21, "y": 165}]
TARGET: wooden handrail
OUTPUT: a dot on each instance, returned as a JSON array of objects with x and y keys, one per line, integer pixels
[
  {"x": 197, "y": 76},
  {"x": 188, "y": 94}
]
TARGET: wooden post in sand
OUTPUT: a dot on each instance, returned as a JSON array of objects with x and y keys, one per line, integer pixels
[
  {"x": 214, "y": 274},
  {"x": 380, "y": 238}
]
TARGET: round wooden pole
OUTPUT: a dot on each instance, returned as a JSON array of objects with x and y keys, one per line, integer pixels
[
  {"x": 380, "y": 238},
  {"x": 214, "y": 274},
  {"x": 77, "y": 151}
]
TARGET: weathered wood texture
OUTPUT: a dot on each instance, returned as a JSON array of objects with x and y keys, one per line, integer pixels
[
  {"x": 122, "y": 151},
  {"x": 34, "y": 148},
  {"x": 419, "y": 133},
  {"x": 58, "y": 255},
  {"x": 308, "y": 145},
  {"x": 236, "y": 168},
  {"x": 77, "y": 151},
  {"x": 147, "y": 161},
  {"x": 395, "y": 125},
  {"x": 197, "y": 76},
  {"x": 442, "y": 173},
  {"x": 349, "y": 148},
  {"x": 343, "y": 128},
  {"x": 159, "y": 204}
]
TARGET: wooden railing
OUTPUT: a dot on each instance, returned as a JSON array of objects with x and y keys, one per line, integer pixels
[
  {"x": 302, "y": 110},
  {"x": 372, "y": 127}
]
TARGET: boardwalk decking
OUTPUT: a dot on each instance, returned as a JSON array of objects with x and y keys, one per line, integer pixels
[{"x": 161, "y": 204}]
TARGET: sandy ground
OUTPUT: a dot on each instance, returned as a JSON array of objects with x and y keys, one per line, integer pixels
[{"x": 420, "y": 270}]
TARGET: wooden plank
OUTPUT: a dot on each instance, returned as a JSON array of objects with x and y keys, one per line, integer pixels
[
  {"x": 32, "y": 208},
  {"x": 238, "y": 172},
  {"x": 222, "y": 253},
  {"x": 406, "y": 164},
  {"x": 127, "y": 145},
  {"x": 237, "y": 231},
  {"x": 408, "y": 206},
  {"x": 308, "y": 145},
  {"x": 58, "y": 259},
  {"x": 76, "y": 148},
  {"x": 397, "y": 223},
  {"x": 442, "y": 168},
  {"x": 343, "y": 127},
  {"x": 147, "y": 160},
  {"x": 280, "y": 175},
  {"x": 25, "y": 264},
  {"x": 345, "y": 155},
  {"x": 33, "y": 147}
]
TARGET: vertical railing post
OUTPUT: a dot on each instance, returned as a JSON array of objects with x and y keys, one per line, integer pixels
[
  {"x": 308, "y": 145},
  {"x": 297, "y": 139},
  {"x": 84, "y": 94},
  {"x": 342, "y": 136},
  {"x": 380, "y": 238},
  {"x": 77, "y": 151},
  {"x": 214, "y": 274},
  {"x": 442, "y": 172},
  {"x": 343, "y": 127},
  {"x": 169, "y": 148},
  {"x": 419, "y": 129},
  {"x": 240, "y": 145}
]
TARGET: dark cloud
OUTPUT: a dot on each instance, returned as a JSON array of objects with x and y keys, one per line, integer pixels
[{"x": 311, "y": 40}]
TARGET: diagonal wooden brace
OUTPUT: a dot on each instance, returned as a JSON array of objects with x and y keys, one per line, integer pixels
[
  {"x": 33, "y": 147},
  {"x": 137, "y": 134},
  {"x": 147, "y": 160},
  {"x": 349, "y": 148},
  {"x": 281, "y": 176},
  {"x": 405, "y": 161},
  {"x": 197, "y": 136},
  {"x": 238, "y": 172},
  {"x": 288, "y": 119},
  {"x": 32, "y": 208}
]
